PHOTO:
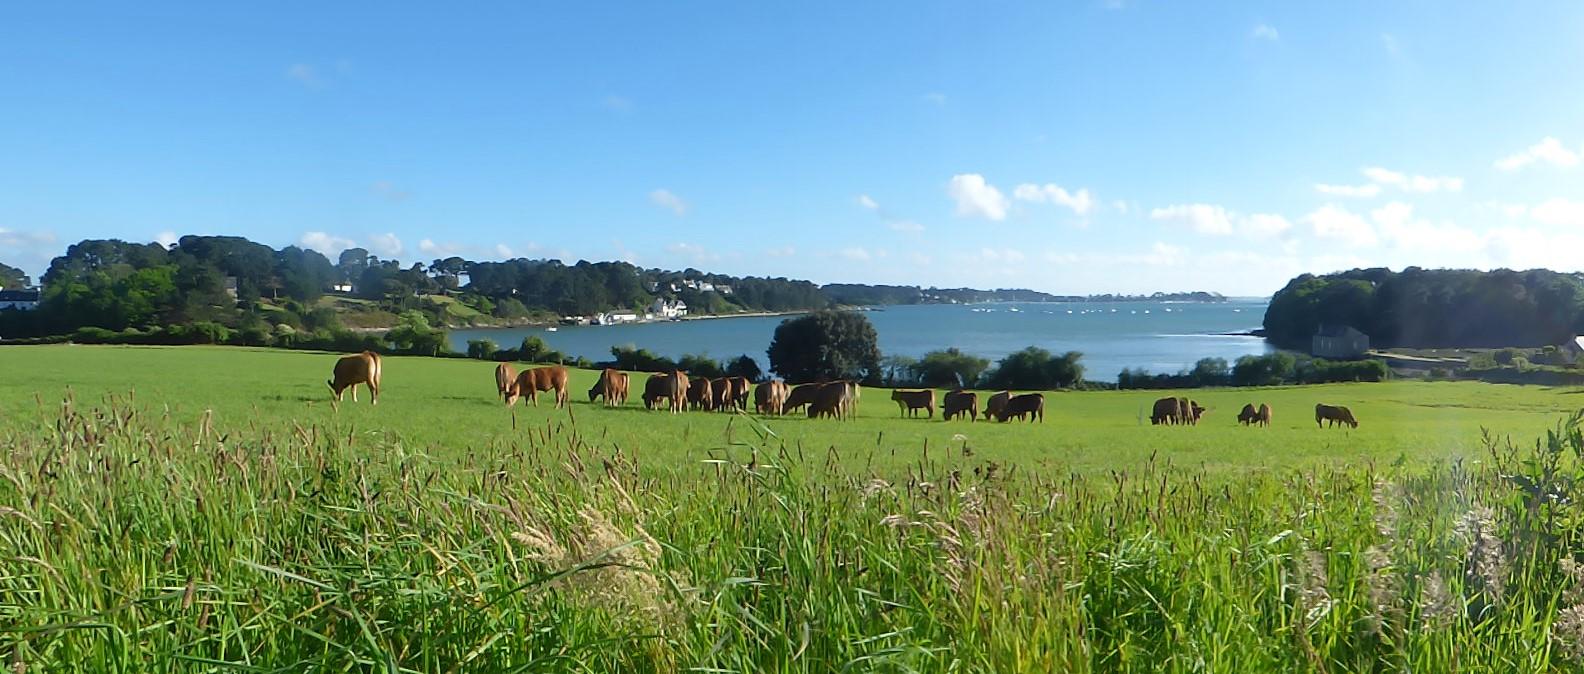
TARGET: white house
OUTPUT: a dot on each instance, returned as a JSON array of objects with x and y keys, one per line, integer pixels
[
  {"x": 341, "y": 287},
  {"x": 21, "y": 300},
  {"x": 1573, "y": 349},
  {"x": 664, "y": 308}
]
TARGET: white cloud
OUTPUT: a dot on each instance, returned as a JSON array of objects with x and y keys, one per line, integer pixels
[
  {"x": 305, "y": 75},
  {"x": 1559, "y": 213},
  {"x": 385, "y": 245},
  {"x": 28, "y": 250},
  {"x": 1398, "y": 225},
  {"x": 977, "y": 198},
  {"x": 1204, "y": 218},
  {"x": 784, "y": 251},
  {"x": 1264, "y": 224},
  {"x": 1333, "y": 222},
  {"x": 1413, "y": 183},
  {"x": 1121, "y": 206},
  {"x": 385, "y": 189},
  {"x": 664, "y": 198},
  {"x": 1389, "y": 41},
  {"x": 1080, "y": 202},
  {"x": 1366, "y": 191},
  {"x": 447, "y": 249},
  {"x": 904, "y": 226},
  {"x": 327, "y": 244},
  {"x": 692, "y": 251},
  {"x": 935, "y": 97},
  {"x": 1000, "y": 255},
  {"x": 855, "y": 254},
  {"x": 503, "y": 251},
  {"x": 166, "y": 238},
  {"x": 1266, "y": 32},
  {"x": 866, "y": 202},
  {"x": 1549, "y": 150}
]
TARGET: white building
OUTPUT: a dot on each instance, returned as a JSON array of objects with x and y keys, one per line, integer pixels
[
  {"x": 21, "y": 300},
  {"x": 664, "y": 308}
]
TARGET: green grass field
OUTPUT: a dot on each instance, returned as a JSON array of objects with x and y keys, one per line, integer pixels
[
  {"x": 450, "y": 404},
  {"x": 208, "y": 510}
]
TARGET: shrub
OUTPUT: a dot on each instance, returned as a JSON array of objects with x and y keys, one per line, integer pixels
[
  {"x": 482, "y": 349},
  {"x": 1034, "y": 368}
]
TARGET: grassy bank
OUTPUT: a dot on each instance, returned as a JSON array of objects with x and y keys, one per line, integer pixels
[{"x": 223, "y": 517}]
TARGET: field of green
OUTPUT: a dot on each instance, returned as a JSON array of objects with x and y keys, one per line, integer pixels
[
  {"x": 450, "y": 405},
  {"x": 208, "y": 509}
]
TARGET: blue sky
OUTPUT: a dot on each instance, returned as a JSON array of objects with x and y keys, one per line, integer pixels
[{"x": 1091, "y": 146}]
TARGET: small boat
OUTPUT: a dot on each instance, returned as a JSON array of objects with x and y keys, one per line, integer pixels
[
  {"x": 551, "y": 329},
  {"x": 1069, "y": 311},
  {"x": 1014, "y": 309}
]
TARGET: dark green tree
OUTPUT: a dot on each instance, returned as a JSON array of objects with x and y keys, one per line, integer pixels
[
  {"x": 826, "y": 345},
  {"x": 13, "y": 278},
  {"x": 950, "y": 368},
  {"x": 1034, "y": 368},
  {"x": 746, "y": 367}
]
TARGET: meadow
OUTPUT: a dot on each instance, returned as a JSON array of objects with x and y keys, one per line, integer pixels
[{"x": 207, "y": 509}]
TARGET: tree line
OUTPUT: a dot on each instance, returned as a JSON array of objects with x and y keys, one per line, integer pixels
[
  {"x": 1431, "y": 308},
  {"x": 243, "y": 286}
]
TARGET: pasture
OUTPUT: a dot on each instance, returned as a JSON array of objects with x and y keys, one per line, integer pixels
[
  {"x": 207, "y": 509},
  {"x": 448, "y": 406}
]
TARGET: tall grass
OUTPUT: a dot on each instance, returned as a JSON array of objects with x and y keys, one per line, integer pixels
[{"x": 132, "y": 542}]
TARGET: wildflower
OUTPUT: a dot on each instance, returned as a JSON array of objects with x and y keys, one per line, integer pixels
[
  {"x": 1385, "y": 511},
  {"x": 1436, "y": 606},
  {"x": 1486, "y": 564},
  {"x": 874, "y": 487},
  {"x": 1384, "y": 589}
]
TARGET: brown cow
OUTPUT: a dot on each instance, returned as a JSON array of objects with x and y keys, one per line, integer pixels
[
  {"x": 1166, "y": 411},
  {"x": 658, "y": 387},
  {"x": 996, "y": 402},
  {"x": 959, "y": 403},
  {"x": 505, "y": 376},
  {"x": 741, "y": 388},
  {"x": 770, "y": 397},
  {"x": 1195, "y": 412},
  {"x": 701, "y": 394},
  {"x": 1029, "y": 405},
  {"x": 803, "y": 394},
  {"x": 910, "y": 402},
  {"x": 832, "y": 400},
  {"x": 679, "y": 391},
  {"x": 358, "y": 368},
  {"x": 721, "y": 394},
  {"x": 1248, "y": 415},
  {"x": 531, "y": 382},
  {"x": 1334, "y": 414},
  {"x": 1265, "y": 415},
  {"x": 612, "y": 385}
]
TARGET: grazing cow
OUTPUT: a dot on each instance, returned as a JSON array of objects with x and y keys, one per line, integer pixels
[
  {"x": 358, "y": 368},
  {"x": 1247, "y": 415},
  {"x": 996, "y": 402},
  {"x": 959, "y": 403},
  {"x": 740, "y": 390},
  {"x": 612, "y": 385},
  {"x": 803, "y": 394},
  {"x": 531, "y": 382},
  {"x": 701, "y": 394},
  {"x": 832, "y": 400},
  {"x": 1029, "y": 406},
  {"x": 679, "y": 391},
  {"x": 505, "y": 376},
  {"x": 1194, "y": 412},
  {"x": 656, "y": 389},
  {"x": 720, "y": 394},
  {"x": 1184, "y": 411},
  {"x": 1265, "y": 415},
  {"x": 1167, "y": 411},
  {"x": 910, "y": 402},
  {"x": 1331, "y": 415},
  {"x": 770, "y": 397}
]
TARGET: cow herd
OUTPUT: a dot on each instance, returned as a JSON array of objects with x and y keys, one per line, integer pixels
[{"x": 677, "y": 392}]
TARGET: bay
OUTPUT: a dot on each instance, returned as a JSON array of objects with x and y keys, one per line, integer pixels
[{"x": 1158, "y": 336}]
